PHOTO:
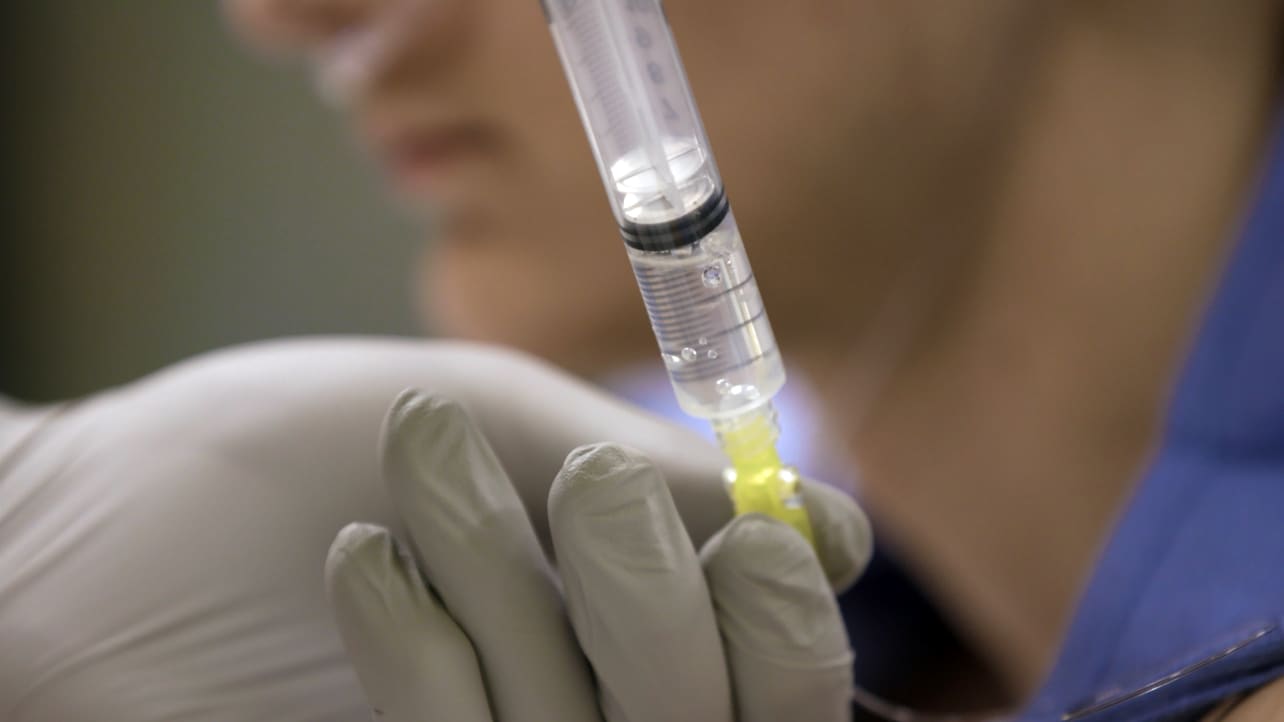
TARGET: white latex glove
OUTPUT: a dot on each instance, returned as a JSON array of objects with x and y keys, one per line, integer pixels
[
  {"x": 749, "y": 630},
  {"x": 161, "y": 544}
]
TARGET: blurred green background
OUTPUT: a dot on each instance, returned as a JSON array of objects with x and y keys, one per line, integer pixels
[{"x": 167, "y": 193}]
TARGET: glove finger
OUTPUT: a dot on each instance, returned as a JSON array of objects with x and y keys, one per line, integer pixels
[
  {"x": 537, "y": 414},
  {"x": 635, "y": 590},
  {"x": 479, "y": 552},
  {"x": 844, "y": 541},
  {"x": 413, "y": 661},
  {"x": 784, "y": 637}
]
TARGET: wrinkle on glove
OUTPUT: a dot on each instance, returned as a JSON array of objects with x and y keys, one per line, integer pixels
[
  {"x": 414, "y": 662},
  {"x": 480, "y": 553}
]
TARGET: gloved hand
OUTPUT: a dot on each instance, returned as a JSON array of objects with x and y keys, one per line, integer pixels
[
  {"x": 465, "y": 622},
  {"x": 161, "y": 544}
]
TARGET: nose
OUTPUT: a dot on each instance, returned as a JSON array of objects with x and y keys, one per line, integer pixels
[
  {"x": 358, "y": 45},
  {"x": 292, "y": 25}
]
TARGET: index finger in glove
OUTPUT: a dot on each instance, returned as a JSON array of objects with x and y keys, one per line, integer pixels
[{"x": 481, "y": 555}]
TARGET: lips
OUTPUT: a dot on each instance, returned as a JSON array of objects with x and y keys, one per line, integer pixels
[{"x": 426, "y": 158}]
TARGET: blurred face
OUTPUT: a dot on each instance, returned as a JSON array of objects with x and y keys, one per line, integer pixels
[{"x": 846, "y": 130}]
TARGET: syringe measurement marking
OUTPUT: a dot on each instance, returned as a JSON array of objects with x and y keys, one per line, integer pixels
[{"x": 613, "y": 105}]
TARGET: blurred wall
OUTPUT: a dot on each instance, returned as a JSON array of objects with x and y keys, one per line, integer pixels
[{"x": 168, "y": 193}]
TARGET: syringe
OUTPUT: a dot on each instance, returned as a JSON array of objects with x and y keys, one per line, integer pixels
[{"x": 681, "y": 238}]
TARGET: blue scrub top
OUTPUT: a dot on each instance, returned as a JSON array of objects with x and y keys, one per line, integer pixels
[{"x": 1186, "y": 605}]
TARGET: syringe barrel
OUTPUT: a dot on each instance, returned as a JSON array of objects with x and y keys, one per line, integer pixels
[
  {"x": 636, "y": 105},
  {"x": 710, "y": 323}
]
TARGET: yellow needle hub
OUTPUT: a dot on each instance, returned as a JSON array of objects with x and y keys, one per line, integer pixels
[{"x": 757, "y": 480}]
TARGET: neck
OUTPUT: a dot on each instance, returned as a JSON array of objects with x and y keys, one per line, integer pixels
[{"x": 1005, "y": 438}]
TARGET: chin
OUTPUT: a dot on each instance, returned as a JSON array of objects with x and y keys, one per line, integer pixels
[
  {"x": 489, "y": 294},
  {"x": 576, "y": 351},
  {"x": 585, "y": 344}
]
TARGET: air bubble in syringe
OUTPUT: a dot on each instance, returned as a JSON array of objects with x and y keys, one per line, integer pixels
[
  {"x": 712, "y": 277},
  {"x": 726, "y": 388},
  {"x": 689, "y": 354}
]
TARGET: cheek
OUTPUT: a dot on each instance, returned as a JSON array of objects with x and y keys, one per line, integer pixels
[{"x": 803, "y": 103}]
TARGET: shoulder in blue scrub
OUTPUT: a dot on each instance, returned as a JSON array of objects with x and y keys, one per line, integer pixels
[{"x": 1186, "y": 605}]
